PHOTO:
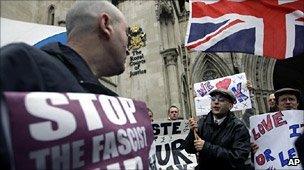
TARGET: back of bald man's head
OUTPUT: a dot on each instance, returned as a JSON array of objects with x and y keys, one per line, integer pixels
[{"x": 83, "y": 16}]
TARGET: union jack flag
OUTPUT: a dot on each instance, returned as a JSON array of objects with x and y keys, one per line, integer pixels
[{"x": 271, "y": 28}]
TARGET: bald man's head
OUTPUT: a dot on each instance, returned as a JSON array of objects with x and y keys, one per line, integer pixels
[
  {"x": 83, "y": 16},
  {"x": 97, "y": 31}
]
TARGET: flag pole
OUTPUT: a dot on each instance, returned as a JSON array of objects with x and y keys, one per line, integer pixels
[{"x": 190, "y": 97}]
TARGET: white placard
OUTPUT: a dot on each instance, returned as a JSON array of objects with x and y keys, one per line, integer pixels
[
  {"x": 275, "y": 134},
  {"x": 169, "y": 137},
  {"x": 235, "y": 83}
]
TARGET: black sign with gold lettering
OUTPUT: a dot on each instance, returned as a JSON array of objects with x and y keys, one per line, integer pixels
[
  {"x": 137, "y": 39},
  {"x": 136, "y": 60}
]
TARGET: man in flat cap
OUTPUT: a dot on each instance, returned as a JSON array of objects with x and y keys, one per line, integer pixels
[
  {"x": 221, "y": 140},
  {"x": 287, "y": 99}
]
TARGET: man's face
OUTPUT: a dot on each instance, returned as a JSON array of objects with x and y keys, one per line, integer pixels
[
  {"x": 120, "y": 42},
  {"x": 220, "y": 106},
  {"x": 287, "y": 102},
  {"x": 173, "y": 113},
  {"x": 271, "y": 101}
]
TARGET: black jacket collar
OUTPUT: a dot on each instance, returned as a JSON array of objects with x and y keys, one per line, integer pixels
[
  {"x": 78, "y": 66},
  {"x": 210, "y": 119}
]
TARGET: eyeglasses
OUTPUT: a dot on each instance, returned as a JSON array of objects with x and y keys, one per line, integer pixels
[
  {"x": 173, "y": 111},
  {"x": 220, "y": 99}
]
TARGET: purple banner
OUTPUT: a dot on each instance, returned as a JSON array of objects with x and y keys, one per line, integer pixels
[{"x": 78, "y": 130}]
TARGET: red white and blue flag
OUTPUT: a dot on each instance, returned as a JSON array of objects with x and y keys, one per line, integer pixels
[{"x": 271, "y": 28}]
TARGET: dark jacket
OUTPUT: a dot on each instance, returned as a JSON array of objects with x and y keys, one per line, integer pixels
[
  {"x": 55, "y": 68},
  {"x": 226, "y": 146},
  {"x": 300, "y": 148}
]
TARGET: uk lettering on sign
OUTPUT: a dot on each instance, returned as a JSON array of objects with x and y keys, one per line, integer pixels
[
  {"x": 275, "y": 134},
  {"x": 77, "y": 131},
  {"x": 237, "y": 84},
  {"x": 169, "y": 138}
]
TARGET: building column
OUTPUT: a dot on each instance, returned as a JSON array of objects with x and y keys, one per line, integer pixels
[
  {"x": 170, "y": 60},
  {"x": 166, "y": 17}
]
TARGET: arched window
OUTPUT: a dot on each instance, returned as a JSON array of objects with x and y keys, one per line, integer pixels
[
  {"x": 210, "y": 71},
  {"x": 51, "y": 15},
  {"x": 210, "y": 74},
  {"x": 61, "y": 23},
  {"x": 209, "y": 67}
]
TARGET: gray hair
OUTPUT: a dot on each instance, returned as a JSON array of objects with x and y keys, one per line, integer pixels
[{"x": 83, "y": 16}]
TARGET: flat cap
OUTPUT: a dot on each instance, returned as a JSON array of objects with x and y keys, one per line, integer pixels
[
  {"x": 226, "y": 93},
  {"x": 291, "y": 91}
]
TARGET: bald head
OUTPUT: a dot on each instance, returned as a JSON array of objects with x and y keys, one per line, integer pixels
[
  {"x": 83, "y": 16},
  {"x": 97, "y": 32}
]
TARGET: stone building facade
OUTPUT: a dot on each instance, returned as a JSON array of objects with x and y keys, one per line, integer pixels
[{"x": 162, "y": 72}]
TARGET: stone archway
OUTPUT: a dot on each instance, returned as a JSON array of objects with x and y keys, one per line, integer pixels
[
  {"x": 259, "y": 70},
  {"x": 209, "y": 66}
]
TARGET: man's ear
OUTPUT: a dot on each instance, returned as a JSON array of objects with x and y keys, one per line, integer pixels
[
  {"x": 298, "y": 104},
  {"x": 230, "y": 106},
  {"x": 105, "y": 27}
]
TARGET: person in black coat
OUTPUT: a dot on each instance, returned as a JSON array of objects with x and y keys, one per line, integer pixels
[
  {"x": 220, "y": 139},
  {"x": 300, "y": 148}
]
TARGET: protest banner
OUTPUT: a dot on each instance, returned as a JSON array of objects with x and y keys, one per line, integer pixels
[
  {"x": 169, "y": 137},
  {"x": 235, "y": 83},
  {"x": 76, "y": 131},
  {"x": 275, "y": 134}
]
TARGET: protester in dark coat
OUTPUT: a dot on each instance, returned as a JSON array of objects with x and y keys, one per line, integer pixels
[
  {"x": 222, "y": 140},
  {"x": 300, "y": 148}
]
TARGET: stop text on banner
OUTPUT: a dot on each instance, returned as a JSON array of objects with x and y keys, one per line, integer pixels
[{"x": 78, "y": 130}]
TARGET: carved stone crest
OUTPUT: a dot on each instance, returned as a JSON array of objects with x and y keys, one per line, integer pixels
[{"x": 137, "y": 38}]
